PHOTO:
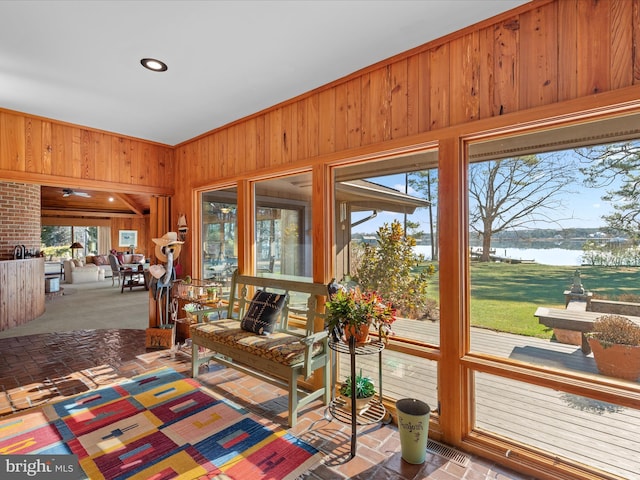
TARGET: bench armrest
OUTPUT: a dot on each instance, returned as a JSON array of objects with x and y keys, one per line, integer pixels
[
  {"x": 313, "y": 338},
  {"x": 205, "y": 312},
  {"x": 309, "y": 340}
]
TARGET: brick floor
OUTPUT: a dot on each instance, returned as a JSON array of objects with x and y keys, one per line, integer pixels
[{"x": 42, "y": 368}]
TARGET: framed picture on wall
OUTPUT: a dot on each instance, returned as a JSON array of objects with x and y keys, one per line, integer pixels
[{"x": 127, "y": 238}]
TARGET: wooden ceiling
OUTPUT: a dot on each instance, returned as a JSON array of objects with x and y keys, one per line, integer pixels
[{"x": 98, "y": 204}]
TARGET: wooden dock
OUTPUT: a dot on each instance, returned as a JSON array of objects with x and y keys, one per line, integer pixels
[
  {"x": 475, "y": 256},
  {"x": 596, "y": 433}
]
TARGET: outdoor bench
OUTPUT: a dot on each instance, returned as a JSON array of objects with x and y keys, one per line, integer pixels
[
  {"x": 298, "y": 345},
  {"x": 576, "y": 320}
]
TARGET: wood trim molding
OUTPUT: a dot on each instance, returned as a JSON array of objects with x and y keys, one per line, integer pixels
[
  {"x": 83, "y": 127},
  {"x": 79, "y": 183},
  {"x": 83, "y": 213}
]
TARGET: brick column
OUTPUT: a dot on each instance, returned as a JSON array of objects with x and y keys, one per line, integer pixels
[{"x": 20, "y": 222}]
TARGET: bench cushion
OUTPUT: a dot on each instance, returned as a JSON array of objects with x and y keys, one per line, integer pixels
[
  {"x": 279, "y": 347},
  {"x": 263, "y": 312}
]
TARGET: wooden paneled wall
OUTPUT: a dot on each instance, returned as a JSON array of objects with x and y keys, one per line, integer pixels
[
  {"x": 548, "y": 52},
  {"x": 542, "y": 53},
  {"x": 48, "y": 152},
  {"x": 141, "y": 225}
]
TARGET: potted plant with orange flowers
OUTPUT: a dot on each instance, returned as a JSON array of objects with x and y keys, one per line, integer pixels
[{"x": 352, "y": 312}]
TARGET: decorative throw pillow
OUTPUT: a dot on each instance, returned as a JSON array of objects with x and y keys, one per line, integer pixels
[
  {"x": 77, "y": 262},
  {"x": 100, "y": 260},
  {"x": 137, "y": 258},
  {"x": 120, "y": 258},
  {"x": 263, "y": 312}
]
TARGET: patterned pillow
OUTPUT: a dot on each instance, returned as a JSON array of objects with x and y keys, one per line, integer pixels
[
  {"x": 263, "y": 312},
  {"x": 100, "y": 260}
]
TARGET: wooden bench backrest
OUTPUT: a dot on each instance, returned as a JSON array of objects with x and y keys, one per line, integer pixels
[{"x": 243, "y": 287}]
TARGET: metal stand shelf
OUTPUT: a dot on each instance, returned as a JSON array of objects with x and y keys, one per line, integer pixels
[
  {"x": 375, "y": 411},
  {"x": 195, "y": 293}
]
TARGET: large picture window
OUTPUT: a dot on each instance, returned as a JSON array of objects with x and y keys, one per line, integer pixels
[
  {"x": 553, "y": 248},
  {"x": 219, "y": 234},
  {"x": 386, "y": 241},
  {"x": 283, "y": 227},
  {"x": 56, "y": 241}
]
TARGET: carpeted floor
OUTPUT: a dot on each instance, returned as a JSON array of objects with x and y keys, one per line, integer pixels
[
  {"x": 89, "y": 306},
  {"x": 158, "y": 425}
]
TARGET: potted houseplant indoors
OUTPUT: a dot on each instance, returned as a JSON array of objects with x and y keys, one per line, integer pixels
[
  {"x": 352, "y": 312},
  {"x": 212, "y": 293},
  {"x": 615, "y": 342},
  {"x": 365, "y": 390}
]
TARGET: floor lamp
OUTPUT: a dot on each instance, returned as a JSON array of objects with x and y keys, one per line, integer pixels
[{"x": 75, "y": 246}]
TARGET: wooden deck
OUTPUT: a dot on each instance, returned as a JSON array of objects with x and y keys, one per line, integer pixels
[{"x": 599, "y": 434}]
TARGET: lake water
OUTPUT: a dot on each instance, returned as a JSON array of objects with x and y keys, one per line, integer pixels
[{"x": 545, "y": 256}]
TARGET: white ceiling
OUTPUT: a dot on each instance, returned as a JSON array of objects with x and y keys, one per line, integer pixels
[{"x": 79, "y": 61}]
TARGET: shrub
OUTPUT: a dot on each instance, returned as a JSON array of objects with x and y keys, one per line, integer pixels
[
  {"x": 629, "y": 297},
  {"x": 616, "y": 329},
  {"x": 388, "y": 268},
  {"x": 51, "y": 252}
]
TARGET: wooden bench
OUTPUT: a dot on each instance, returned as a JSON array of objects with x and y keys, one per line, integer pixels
[
  {"x": 295, "y": 348},
  {"x": 576, "y": 320}
]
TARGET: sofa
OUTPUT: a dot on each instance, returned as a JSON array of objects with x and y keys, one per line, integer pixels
[
  {"x": 75, "y": 271},
  {"x": 130, "y": 258},
  {"x": 102, "y": 261}
]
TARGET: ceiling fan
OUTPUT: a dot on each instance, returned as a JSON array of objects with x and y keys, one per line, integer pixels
[{"x": 67, "y": 192}]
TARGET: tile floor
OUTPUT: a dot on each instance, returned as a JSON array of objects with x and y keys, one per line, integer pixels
[{"x": 36, "y": 369}]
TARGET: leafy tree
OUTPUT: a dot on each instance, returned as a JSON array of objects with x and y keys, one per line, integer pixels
[
  {"x": 53, "y": 235},
  {"x": 61, "y": 237},
  {"x": 616, "y": 166},
  {"x": 413, "y": 229},
  {"x": 514, "y": 192},
  {"x": 386, "y": 267},
  {"x": 609, "y": 254}
]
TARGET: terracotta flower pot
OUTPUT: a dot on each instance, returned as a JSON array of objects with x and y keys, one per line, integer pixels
[
  {"x": 361, "y": 332},
  {"x": 613, "y": 360}
]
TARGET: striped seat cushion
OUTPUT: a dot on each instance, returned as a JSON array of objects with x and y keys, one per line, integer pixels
[{"x": 279, "y": 347}]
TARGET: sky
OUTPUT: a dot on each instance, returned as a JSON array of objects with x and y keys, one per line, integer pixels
[{"x": 582, "y": 208}]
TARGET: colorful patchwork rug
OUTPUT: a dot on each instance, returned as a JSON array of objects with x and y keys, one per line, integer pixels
[{"x": 158, "y": 426}]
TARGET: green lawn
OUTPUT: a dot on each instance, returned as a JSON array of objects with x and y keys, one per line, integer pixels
[{"x": 504, "y": 297}]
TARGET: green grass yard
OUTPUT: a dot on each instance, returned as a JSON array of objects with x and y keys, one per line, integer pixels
[{"x": 504, "y": 297}]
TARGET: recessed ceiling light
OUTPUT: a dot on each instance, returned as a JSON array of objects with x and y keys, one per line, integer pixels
[
  {"x": 153, "y": 64},
  {"x": 111, "y": 199}
]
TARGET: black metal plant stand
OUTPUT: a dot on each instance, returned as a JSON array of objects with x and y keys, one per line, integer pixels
[{"x": 375, "y": 411}]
